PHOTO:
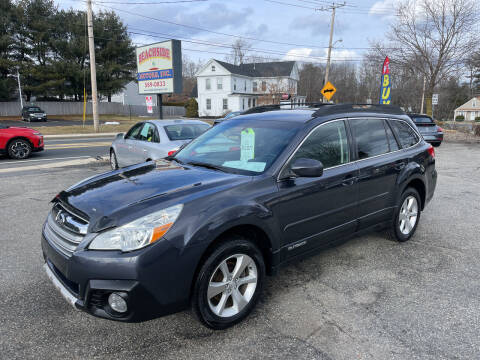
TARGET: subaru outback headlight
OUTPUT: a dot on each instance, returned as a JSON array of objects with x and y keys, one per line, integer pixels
[{"x": 139, "y": 233}]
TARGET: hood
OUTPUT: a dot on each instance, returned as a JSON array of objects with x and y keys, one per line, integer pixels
[
  {"x": 105, "y": 197},
  {"x": 21, "y": 128}
]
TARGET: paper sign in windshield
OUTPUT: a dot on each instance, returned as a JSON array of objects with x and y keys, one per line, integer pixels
[
  {"x": 247, "y": 145},
  {"x": 255, "y": 166}
]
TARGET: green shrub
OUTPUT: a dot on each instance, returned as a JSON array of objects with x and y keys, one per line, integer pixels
[
  {"x": 459, "y": 118},
  {"x": 191, "y": 108},
  {"x": 477, "y": 119}
]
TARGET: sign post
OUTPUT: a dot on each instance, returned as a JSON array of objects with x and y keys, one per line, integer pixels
[
  {"x": 434, "y": 102},
  {"x": 159, "y": 69}
]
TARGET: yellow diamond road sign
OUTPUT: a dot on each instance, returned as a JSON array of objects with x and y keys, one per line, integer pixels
[{"x": 328, "y": 90}]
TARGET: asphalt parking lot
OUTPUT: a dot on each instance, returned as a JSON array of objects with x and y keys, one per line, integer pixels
[{"x": 367, "y": 299}]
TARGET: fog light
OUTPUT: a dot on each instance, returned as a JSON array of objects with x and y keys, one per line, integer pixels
[{"x": 117, "y": 302}]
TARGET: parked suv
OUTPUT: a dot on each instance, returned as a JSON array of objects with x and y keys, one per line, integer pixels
[
  {"x": 202, "y": 228},
  {"x": 33, "y": 113}
]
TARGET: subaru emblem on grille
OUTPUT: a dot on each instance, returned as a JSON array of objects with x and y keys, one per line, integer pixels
[{"x": 60, "y": 218}]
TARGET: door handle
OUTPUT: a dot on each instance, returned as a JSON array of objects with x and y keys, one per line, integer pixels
[
  {"x": 144, "y": 150},
  {"x": 130, "y": 147},
  {"x": 349, "y": 181}
]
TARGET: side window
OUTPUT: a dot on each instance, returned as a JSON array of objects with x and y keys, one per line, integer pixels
[
  {"x": 405, "y": 133},
  {"x": 133, "y": 133},
  {"x": 328, "y": 144},
  {"x": 148, "y": 133},
  {"x": 370, "y": 136},
  {"x": 391, "y": 139}
]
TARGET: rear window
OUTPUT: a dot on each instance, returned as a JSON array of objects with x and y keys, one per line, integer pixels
[
  {"x": 370, "y": 136},
  {"x": 34, "y": 109},
  {"x": 405, "y": 133},
  {"x": 422, "y": 120},
  {"x": 185, "y": 131}
]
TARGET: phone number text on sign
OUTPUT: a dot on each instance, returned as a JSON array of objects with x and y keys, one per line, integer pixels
[{"x": 160, "y": 83}]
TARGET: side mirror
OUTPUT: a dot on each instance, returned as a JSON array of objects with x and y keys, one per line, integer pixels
[
  {"x": 120, "y": 136},
  {"x": 304, "y": 167}
]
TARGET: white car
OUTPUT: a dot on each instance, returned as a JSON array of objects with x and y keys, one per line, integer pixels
[{"x": 152, "y": 140}]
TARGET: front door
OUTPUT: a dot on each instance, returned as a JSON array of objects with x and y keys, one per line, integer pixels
[
  {"x": 313, "y": 212},
  {"x": 126, "y": 147}
]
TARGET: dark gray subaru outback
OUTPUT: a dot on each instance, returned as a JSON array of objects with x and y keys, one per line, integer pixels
[{"x": 202, "y": 228}]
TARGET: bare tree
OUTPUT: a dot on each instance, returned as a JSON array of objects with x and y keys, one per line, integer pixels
[
  {"x": 431, "y": 38},
  {"x": 239, "y": 52}
]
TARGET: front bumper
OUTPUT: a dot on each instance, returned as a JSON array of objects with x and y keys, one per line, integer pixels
[{"x": 156, "y": 280}]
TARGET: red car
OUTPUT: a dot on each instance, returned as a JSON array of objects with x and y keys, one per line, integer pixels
[{"x": 19, "y": 142}]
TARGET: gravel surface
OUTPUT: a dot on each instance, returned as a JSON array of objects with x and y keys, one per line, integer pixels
[{"x": 367, "y": 299}]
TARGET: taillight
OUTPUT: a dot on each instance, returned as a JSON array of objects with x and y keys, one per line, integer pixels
[
  {"x": 172, "y": 152},
  {"x": 439, "y": 129},
  {"x": 431, "y": 151}
]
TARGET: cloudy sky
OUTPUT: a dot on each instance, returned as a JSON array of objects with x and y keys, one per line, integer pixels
[{"x": 277, "y": 29}]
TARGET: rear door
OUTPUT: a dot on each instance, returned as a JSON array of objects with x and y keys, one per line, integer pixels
[
  {"x": 313, "y": 212},
  {"x": 379, "y": 164}
]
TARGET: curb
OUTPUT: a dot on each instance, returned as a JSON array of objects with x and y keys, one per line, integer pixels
[{"x": 79, "y": 135}]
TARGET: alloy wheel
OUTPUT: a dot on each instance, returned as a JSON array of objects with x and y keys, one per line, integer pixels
[
  {"x": 20, "y": 150},
  {"x": 407, "y": 218},
  {"x": 113, "y": 160},
  {"x": 232, "y": 285}
]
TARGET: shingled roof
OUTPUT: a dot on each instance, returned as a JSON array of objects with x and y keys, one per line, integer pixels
[{"x": 268, "y": 69}]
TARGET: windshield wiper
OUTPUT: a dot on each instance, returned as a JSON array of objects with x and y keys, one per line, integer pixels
[{"x": 206, "y": 165}]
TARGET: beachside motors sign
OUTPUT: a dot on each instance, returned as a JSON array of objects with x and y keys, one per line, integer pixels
[{"x": 159, "y": 68}]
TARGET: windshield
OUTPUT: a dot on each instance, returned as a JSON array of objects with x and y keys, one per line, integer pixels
[
  {"x": 185, "y": 131},
  {"x": 35, "y": 109},
  {"x": 241, "y": 146},
  {"x": 422, "y": 120}
]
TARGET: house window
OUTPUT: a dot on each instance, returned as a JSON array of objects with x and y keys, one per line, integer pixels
[
  {"x": 219, "y": 83},
  {"x": 207, "y": 84},
  {"x": 209, "y": 104},
  {"x": 474, "y": 103},
  {"x": 213, "y": 68},
  {"x": 254, "y": 101},
  {"x": 255, "y": 86},
  {"x": 245, "y": 86},
  {"x": 264, "y": 86},
  {"x": 234, "y": 84},
  {"x": 225, "y": 104},
  {"x": 249, "y": 102},
  {"x": 243, "y": 104}
]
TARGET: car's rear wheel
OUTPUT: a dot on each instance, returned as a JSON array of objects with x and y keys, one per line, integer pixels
[
  {"x": 19, "y": 149},
  {"x": 436, "y": 144},
  {"x": 113, "y": 160},
  {"x": 406, "y": 217},
  {"x": 229, "y": 283}
]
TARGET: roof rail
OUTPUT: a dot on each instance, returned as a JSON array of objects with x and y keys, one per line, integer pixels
[{"x": 370, "y": 108}]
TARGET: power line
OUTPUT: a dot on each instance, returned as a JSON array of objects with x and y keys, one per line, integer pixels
[{"x": 147, "y": 3}]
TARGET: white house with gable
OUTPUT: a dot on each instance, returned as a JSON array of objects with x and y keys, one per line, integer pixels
[
  {"x": 470, "y": 110},
  {"x": 223, "y": 87}
]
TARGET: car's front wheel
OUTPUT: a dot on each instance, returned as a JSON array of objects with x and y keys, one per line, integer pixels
[
  {"x": 406, "y": 217},
  {"x": 113, "y": 160},
  {"x": 19, "y": 149},
  {"x": 229, "y": 283}
]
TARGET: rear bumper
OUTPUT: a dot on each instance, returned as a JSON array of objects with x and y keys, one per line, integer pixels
[{"x": 433, "y": 138}]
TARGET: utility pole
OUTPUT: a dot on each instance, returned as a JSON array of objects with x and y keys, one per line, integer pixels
[
  {"x": 333, "y": 7},
  {"x": 19, "y": 89},
  {"x": 93, "y": 69},
  {"x": 423, "y": 94}
]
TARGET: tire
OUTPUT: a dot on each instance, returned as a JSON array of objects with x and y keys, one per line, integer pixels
[
  {"x": 113, "y": 160},
  {"x": 436, "y": 144},
  {"x": 19, "y": 149},
  {"x": 239, "y": 291},
  {"x": 406, "y": 216}
]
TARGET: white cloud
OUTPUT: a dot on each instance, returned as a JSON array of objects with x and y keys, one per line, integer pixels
[
  {"x": 320, "y": 55},
  {"x": 384, "y": 9}
]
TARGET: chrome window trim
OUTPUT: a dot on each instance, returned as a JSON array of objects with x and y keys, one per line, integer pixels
[{"x": 354, "y": 161}]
